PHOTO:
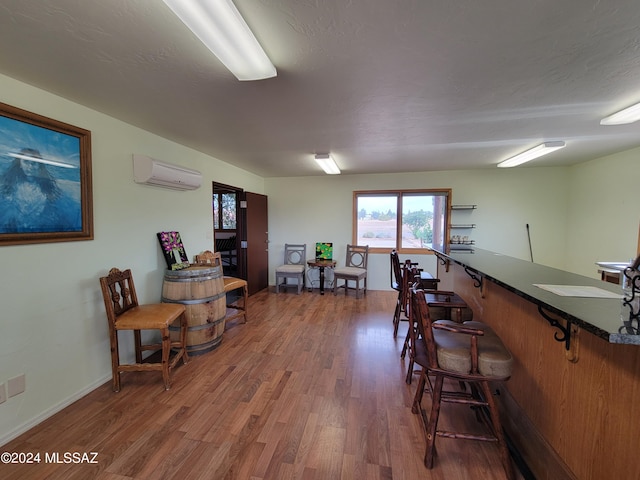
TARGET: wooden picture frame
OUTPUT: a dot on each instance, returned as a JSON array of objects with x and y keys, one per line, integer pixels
[{"x": 45, "y": 179}]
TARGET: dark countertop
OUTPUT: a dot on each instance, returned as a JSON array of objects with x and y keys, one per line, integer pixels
[{"x": 599, "y": 316}]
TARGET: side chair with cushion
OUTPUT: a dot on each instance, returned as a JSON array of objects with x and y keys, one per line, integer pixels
[
  {"x": 355, "y": 270},
  {"x": 231, "y": 284},
  {"x": 295, "y": 256},
  {"x": 469, "y": 354},
  {"x": 124, "y": 313}
]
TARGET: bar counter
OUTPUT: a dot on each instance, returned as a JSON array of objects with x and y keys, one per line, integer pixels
[
  {"x": 570, "y": 407},
  {"x": 599, "y": 316}
]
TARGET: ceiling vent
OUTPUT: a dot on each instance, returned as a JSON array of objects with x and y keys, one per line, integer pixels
[{"x": 149, "y": 171}]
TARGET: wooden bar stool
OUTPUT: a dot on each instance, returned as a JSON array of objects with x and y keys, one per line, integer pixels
[
  {"x": 448, "y": 306},
  {"x": 400, "y": 284},
  {"x": 230, "y": 284},
  {"x": 469, "y": 353},
  {"x": 443, "y": 305}
]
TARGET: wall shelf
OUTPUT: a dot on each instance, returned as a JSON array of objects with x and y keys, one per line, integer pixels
[
  {"x": 462, "y": 243},
  {"x": 467, "y": 225},
  {"x": 463, "y": 207}
]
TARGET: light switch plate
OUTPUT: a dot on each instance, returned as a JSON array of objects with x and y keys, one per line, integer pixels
[{"x": 3, "y": 393}]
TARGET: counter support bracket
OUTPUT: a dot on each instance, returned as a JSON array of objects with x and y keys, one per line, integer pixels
[
  {"x": 444, "y": 261},
  {"x": 565, "y": 332},
  {"x": 477, "y": 280}
]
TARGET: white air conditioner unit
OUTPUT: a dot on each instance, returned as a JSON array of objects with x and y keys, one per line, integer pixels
[{"x": 150, "y": 171}]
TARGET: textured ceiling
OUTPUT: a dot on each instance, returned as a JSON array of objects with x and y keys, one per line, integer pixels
[{"x": 384, "y": 85}]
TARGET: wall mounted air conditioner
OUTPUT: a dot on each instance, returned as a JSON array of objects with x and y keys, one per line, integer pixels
[{"x": 149, "y": 171}]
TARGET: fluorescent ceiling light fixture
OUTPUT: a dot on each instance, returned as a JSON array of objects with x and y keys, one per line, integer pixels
[
  {"x": 535, "y": 152},
  {"x": 219, "y": 25},
  {"x": 327, "y": 164},
  {"x": 628, "y": 115},
  {"x": 47, "y": 161}
]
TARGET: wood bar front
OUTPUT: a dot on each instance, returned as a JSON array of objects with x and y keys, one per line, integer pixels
[{"x": 570, "y": 413}]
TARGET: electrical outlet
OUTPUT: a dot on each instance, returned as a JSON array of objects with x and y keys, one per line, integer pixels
[
  {"x": 3, "y": 393},
  {"x": 15, "y": 385}
]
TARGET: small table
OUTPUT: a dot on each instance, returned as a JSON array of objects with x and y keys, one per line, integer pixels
[{"x": 320, "y": 265}]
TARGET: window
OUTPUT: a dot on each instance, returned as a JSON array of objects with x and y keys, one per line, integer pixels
[
  {"x": 407, "y": 220},
  {"x": 224, "y": 211}
]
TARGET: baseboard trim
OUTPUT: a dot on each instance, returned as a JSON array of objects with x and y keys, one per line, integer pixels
[{"x": 49, "y": 412}]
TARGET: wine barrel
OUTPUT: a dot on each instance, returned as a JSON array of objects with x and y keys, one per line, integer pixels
[{"x": 200, "y": 288}]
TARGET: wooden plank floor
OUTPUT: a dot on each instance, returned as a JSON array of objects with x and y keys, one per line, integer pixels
[{"x": 312, "y": 387}]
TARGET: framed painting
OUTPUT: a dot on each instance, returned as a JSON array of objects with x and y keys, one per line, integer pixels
[
  {"x": 324, "y": 251},
  {"x": 45, "y": 179},
  {"x": 173, "y": 250}
]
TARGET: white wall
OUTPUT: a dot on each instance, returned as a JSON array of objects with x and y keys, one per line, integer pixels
[
  {"x": 604, "y": 211},
  {"x": 319, "y": 209},
  {"x": 53, "y": 327},
  {"x": 577, "y": 215}
]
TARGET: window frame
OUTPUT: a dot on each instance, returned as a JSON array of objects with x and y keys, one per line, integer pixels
[{"x": 445, "y": 192}]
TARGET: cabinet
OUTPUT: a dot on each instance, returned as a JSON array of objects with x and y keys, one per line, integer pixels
[{"x": 460, "y": 228}]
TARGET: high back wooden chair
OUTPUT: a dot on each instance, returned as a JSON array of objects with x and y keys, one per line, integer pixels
[
  {"x": 470, "y": 354},
  {"x": 235, "y": 310},
  {"x": 124, "y": 313},
  {"x": 401, "y": 281},
  {"x": 355, "y": 269},
  {"x": 295, "y": 256},
  {"x": 397, "y": 285}
]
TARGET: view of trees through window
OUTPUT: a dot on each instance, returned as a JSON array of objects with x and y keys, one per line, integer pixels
[
  {"x": 224, "y": 211},
  {"x": 401, "y": 219}
]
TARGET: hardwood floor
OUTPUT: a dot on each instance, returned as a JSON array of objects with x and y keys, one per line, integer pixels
[{"x": 311, "y": 387}]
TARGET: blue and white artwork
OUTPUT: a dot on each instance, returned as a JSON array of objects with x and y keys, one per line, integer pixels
[{"x": 40, "y": 179}]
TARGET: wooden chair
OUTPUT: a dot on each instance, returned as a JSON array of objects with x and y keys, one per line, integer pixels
[
  {"x": 124, "y": 313},
  {"x": 469, "y": 353},
  {"x": 355, "y": 269},
  {"x": 295, "y": 256},
  {"x": 230, "y": 284}
]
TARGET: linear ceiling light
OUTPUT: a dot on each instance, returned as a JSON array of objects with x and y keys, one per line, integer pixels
[
  {"x": 327, "y": 164},
  {"x": 529, "y": 155},
  {"x": 628, "y": 115},
  {"x": 219, "y": 25}
]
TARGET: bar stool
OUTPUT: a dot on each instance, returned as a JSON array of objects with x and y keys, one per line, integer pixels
[
  {"x": 442, "y": 305},
  {"x": 402, "y": 277},
  {"x": 471, "y": 354}
]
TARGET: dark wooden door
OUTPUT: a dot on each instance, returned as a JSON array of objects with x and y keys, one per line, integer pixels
[{"x": 255, "y": 245}]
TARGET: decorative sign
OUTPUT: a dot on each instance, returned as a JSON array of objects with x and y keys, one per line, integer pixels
[{"x": 173, "y": 250}]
